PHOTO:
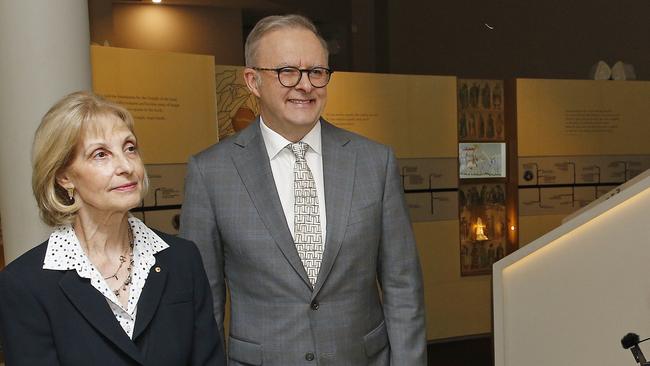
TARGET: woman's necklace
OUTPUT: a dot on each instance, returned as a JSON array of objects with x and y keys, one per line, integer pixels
[
  {"x": 122, "y": 257},
  {"x": 127, "y": 281},
  {"x": 114, "y": 275}
]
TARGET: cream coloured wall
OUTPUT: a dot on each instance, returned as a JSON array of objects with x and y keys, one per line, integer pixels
[
  {"x": 455, "y": 306},
  {"x": 569, "y": 297},
  {"x": 45, "y": 55}
]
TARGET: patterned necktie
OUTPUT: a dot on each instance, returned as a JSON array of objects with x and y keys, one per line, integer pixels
[{"x": 308, "y": 236}]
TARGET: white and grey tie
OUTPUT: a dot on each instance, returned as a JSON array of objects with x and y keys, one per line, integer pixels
[{"x": 308, "y": 236}]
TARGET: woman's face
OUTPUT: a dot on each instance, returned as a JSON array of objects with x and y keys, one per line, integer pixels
[{"x": 106, "y": 172}]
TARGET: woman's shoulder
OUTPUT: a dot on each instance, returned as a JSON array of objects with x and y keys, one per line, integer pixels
[
  {"x": 27, "y": 271},
  {"x": 30, "y": 260}
]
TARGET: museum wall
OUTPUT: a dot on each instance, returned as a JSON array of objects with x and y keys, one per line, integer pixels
[{"x": 577, "y": 139}]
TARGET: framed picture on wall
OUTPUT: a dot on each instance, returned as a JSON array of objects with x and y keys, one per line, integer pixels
[
  {"x": 483, "y": 229},
  {"x": 236, "y": 105},
  {"x": 480, "y": 110},
  {"x": 481, "y": 160}
]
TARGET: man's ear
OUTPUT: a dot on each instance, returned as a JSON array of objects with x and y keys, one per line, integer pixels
[{"x": 252, "y": 81}]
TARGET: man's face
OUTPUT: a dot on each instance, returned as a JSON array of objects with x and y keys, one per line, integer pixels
[{"x": 291, "y": 112}]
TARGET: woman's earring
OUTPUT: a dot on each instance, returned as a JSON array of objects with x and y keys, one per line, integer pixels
[{"x": 70, "y": 193}]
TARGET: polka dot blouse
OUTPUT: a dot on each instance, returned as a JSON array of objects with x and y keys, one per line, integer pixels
[{"x": 64, "y": 253}]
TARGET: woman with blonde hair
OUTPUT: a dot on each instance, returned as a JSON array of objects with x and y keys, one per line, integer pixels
[{"x": 104, "y": 289}]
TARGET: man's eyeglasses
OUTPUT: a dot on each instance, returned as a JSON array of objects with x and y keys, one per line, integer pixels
[{"x": 290, "y": 76}]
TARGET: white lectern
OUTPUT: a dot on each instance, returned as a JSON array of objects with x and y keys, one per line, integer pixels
[{"x": 569, "y": 297}]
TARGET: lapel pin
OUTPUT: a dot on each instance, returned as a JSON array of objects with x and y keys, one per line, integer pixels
[{"x": 157, "y": 269}]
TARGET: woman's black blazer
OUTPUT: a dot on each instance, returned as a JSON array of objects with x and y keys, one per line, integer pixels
[{"x": 54, "y": 318}]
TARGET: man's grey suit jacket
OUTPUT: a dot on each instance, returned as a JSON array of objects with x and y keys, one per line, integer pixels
[{"x": 366, "y": 307}]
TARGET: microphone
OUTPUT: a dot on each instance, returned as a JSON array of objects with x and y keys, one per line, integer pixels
[{"x": 631, "y": 341}]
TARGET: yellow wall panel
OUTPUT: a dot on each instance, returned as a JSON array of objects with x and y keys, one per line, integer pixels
[
  {"x": 582, "y": 117},
  {"x": 415, "y": 115},
  {"x": 171, "y": 97}
]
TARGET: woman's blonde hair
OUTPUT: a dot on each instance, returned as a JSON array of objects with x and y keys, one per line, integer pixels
[{"x": 55, "y": 143}]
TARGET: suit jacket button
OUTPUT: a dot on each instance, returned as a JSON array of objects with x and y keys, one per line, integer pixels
[
  {"x": 309, "y": 356},
  {"x": 315, "y": 305}
]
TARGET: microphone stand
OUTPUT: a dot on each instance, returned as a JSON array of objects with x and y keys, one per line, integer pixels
[{"x": 638, "y": 355}]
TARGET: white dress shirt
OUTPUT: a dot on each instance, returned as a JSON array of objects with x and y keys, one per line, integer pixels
[
  {"x": 64, "y": 253},
  {"x": 282, "y": 162}
]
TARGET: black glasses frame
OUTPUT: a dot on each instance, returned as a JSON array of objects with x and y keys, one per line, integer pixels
[{"x": 308, "y": 71}]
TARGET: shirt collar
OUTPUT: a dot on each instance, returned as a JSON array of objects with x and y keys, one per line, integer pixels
[
  {"x": 64, "y": 250},
  {"x": 275, "y": 142}
]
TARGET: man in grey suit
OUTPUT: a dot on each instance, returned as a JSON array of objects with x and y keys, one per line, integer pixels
[{"x": 305, "y": 223}]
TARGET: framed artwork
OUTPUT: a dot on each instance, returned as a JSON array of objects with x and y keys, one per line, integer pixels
[
  {"x": 236, "y": 105},
  {"x": 481, "y": 160},
  {"x": 480, "y": 110},
  {"x": 483, "y": 228}
]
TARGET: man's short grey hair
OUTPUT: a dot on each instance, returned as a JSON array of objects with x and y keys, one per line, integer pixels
[{"x": 272, "y": 23}]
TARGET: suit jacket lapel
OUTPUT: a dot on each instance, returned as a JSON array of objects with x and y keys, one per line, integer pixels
[
  {"x": 151, "y": 295},
  {"x": 338, "y": 172},
  {"x": 94, "y": 308},
  {"x": 254, "y": 168}
]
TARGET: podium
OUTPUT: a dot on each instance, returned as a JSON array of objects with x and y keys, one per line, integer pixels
[{"x": 568, "y": 297}]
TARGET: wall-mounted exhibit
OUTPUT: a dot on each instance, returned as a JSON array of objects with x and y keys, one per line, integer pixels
[
  {"x": 483, "y": 216},
  {"x": 483, "y": 228},
  {"x": 481, "y": 107},
  {"x": 577, "y": 139},
  {"x": 237, "y": 107}
]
